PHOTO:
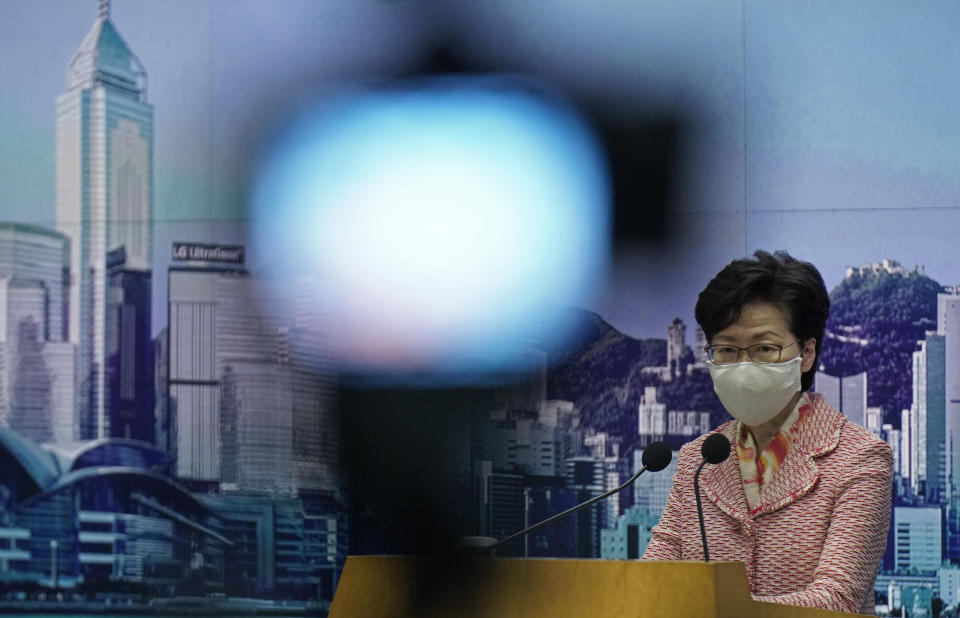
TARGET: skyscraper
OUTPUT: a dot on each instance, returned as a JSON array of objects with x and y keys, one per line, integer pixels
[
  {"x": 192, "y": 416},
  {"x": 925, "y": 431},
  {"x": 847, "y": 394},
  {"x": 104, "y": 193},
  {"x": 37, "y": 394},
  {"x": 914, "y": 421},
  {"x": 256, "y": 407},
  {"x": 907, "y": 460},
  {"x": 853, "y": 402},
  {"x": 231, "y": 388},
  {"x": 948, "y": 325},
  {"x": 25, "y": 389},
  {"x": 934, "y": 440},
  {"x": 34, "y": 253},
  {"x": 316, "y": 440},
  {"x": 129, "y": 351}
]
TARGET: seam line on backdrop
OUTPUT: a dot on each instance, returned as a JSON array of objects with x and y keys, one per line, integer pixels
[
  {"x": 856, "y": 209},
  {"x": 210, "y": 145},
  {"x": 745, "y": 213},
  {"x": 743, "y": 65}
]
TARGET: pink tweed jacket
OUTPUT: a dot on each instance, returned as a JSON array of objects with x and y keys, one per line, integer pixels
[{"x": 820, "y": 529}]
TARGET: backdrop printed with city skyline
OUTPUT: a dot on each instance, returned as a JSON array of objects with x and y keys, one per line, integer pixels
[{"x": 133, "y": 299}]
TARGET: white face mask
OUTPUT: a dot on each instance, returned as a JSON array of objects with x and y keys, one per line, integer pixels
[{"x": 753, "y": 393}]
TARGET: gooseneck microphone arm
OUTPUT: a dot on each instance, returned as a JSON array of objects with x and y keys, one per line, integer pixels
[
  {"x": 703, "y": 528},
  {"x": 655, "y": 458},
  {"x": 715, "y": 449}
]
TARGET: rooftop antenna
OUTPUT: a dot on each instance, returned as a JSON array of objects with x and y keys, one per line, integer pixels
[{"x": 104, "y": 8}]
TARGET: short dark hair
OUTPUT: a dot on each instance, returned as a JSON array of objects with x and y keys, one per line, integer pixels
[{"x": 794, "y": 286}]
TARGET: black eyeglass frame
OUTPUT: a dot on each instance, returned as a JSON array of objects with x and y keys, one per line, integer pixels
[{"x": 711, "y": 350}]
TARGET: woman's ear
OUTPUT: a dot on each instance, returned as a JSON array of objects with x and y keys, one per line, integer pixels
[{"x": 809, "y": 353}]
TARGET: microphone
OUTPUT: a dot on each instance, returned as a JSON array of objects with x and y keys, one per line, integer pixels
[
  {"x": 656, "y": 456},
  {"x": 715, "y": 449}
]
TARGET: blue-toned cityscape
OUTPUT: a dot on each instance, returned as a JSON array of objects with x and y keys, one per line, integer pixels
[
  {"x": 139, "y": 464},
  {"x": 204, "y": 456}
]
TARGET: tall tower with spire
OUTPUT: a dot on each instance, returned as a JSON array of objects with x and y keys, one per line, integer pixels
[{"x": 104, "y": 198}]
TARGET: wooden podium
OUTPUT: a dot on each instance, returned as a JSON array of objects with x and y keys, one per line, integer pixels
[{"x": 407, "y": 587}]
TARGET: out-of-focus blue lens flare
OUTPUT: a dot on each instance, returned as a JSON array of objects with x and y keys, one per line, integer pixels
[{"x": 444, "y": 224}]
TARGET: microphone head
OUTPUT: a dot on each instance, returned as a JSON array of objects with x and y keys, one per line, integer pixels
[
  {"x": 656, "y": 456},
  {"x": 715, "y": 448}
]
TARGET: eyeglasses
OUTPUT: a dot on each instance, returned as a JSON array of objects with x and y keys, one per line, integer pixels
[{"x": 726, "y": 354}]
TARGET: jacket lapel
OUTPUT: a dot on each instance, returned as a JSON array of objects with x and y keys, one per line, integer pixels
[
  {"x": 722, "y": 483},
  {"x": 796, "y": 477},
  {"x": 799, "y": 472}
]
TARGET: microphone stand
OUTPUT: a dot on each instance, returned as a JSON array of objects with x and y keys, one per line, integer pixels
[
  {"x": 714, "y": 449},
  {"x": 490, "y": 548},
  {"x": 696, "y": 492}
]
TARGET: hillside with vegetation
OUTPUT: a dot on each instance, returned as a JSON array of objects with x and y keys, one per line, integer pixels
[
  {"x": 601, "y": 371},
  {"x": 876, "y": 318}
]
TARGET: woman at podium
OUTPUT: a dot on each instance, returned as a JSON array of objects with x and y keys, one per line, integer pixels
[{"x": 804, "y": 497}]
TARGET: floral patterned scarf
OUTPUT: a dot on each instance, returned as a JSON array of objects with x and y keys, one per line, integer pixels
[{"x": 757, "y": 471}]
